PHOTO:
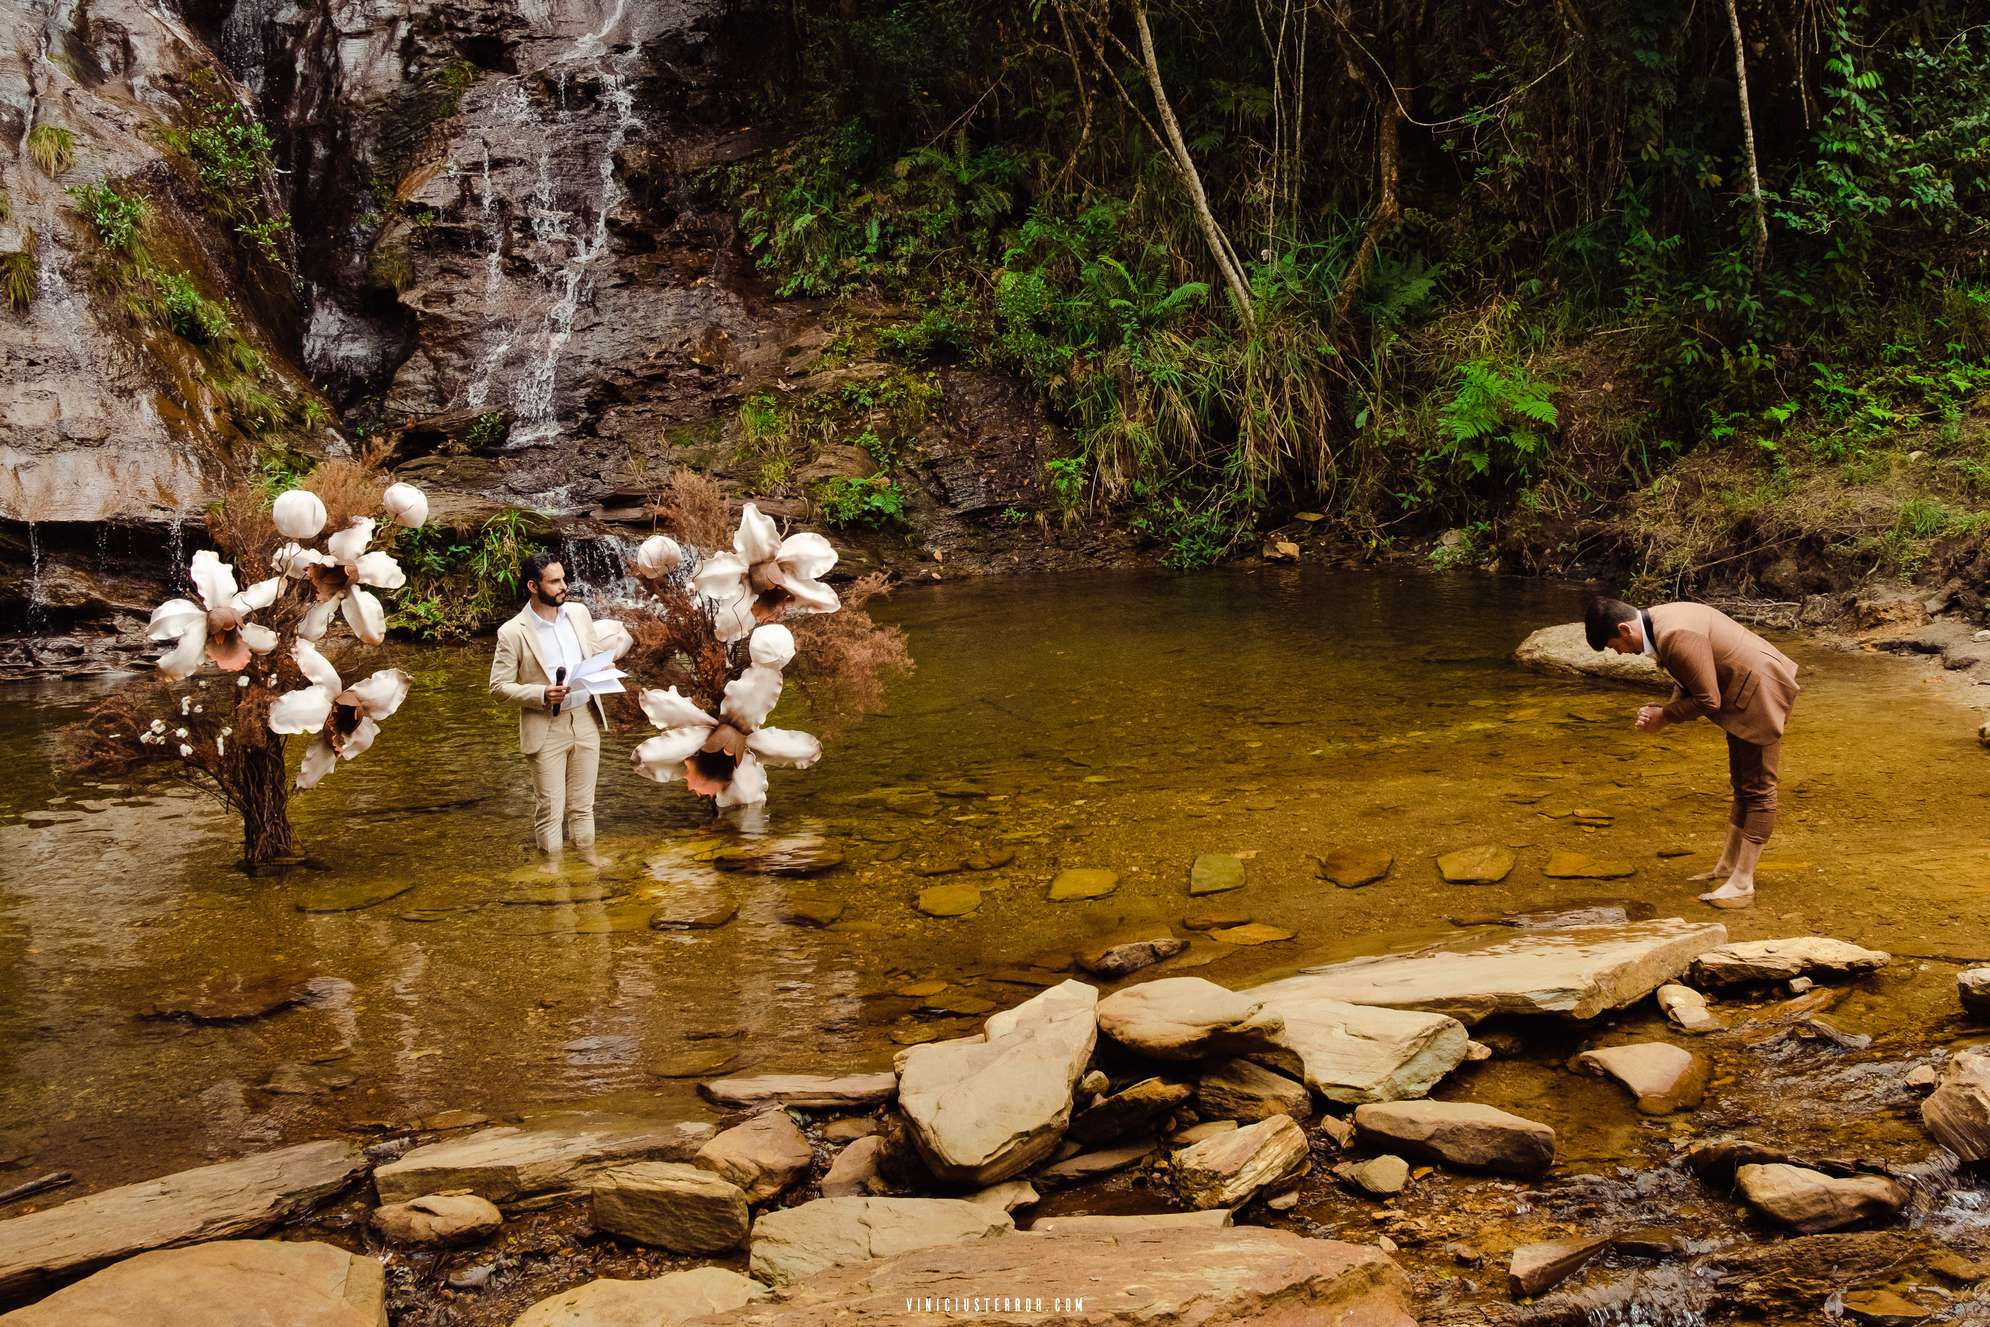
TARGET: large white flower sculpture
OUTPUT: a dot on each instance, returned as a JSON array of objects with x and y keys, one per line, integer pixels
[
  {"x": 340, "y": 576},
  {"x": 766, "y": 576},
  {"x": 725, "y": 755},
  {"x": 345, "y": 718},
  {"x": 217, "y": 627}
]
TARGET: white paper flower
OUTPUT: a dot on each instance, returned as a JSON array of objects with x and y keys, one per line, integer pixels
[
  {"x": 766, "y": 575},
  {"x": 407, "y": 504},
  {"x": 340, "y": 575},
  {"x": 725, "y": 756},
  {"x": 658, "y": 556},
  {"x": 299, "y": 514},
  {"x": 345, "y": 718},
  {"x": 218, "y": 626},
  {"x": 612, "y": 638}
]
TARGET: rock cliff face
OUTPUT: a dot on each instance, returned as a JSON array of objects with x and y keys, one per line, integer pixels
[{"x": 503, "y": 260}]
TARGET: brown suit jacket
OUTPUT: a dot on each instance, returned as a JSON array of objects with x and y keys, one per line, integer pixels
[
  {"x": 1724, "y": 671},
  {"x": 519, "y": 675}
]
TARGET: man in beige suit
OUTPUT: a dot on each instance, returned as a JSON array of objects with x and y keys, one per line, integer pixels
[
  {"x": 1722, "y": 671},
  {"x": 561, "y": 742}
]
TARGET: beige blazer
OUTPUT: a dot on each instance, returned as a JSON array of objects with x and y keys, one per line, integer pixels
[
  {"x": 1724, "y": 671},
  {"x": 520, "y": 676}
]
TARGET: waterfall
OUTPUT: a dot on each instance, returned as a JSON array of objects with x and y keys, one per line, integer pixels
[
  {"x": 37, "y": 595},
  {"x": 597, "y": 568},
  {"x": 564, "y": 245}
]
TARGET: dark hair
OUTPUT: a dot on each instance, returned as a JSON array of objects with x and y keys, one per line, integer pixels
[
  {"x": 535, "y": 566},
  {"x": 1600, "y": 623}
]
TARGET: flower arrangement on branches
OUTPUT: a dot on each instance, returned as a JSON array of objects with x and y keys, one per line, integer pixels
[
  {"x": 719, "y": 635},
  {"x": 224, "y": 728}
]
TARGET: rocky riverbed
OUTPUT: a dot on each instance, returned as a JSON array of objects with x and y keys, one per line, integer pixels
[{"x": 1132, "y": 1151}]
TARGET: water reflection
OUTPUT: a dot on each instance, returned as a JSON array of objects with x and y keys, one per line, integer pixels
[{"x": 1122, "y": 721}]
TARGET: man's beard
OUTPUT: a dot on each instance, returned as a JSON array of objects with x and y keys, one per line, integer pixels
[{"x": 554, "y": 602}]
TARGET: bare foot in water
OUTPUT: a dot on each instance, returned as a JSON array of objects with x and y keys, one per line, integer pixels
[
  {"x": 1717, "y": 873},
  {"x": 1731, "y": 895}
]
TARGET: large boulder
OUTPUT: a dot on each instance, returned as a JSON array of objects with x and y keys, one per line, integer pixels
[
  {"x": 983, "y": 1110},
  {"x": 763, "y": 1156},
  {"x": 1957, "y": 1112},
  {"x": 1460, "y": 1134},
  {"x": 558, "y": 1154},
  {"x": 659, "y": 1302},
  {"x": 1563, "y": 651},
  {"x": 1972, "y": 987},
  {"x": 795, "y": 1243},
  {"x": 1578, "y": 972},
  {"x": 1153, "y": 1278},
  {"x": 1753, "y": 962},
  {"x": 1232, "y": 1168},
  {"x": 451, "y": 1218},
  {"x": 229, "y": 1283},
  {"x": 1187, "y": 1018},
  {"x": 1810, "y": 1201},
  {"x": 242, "y": 1197},
  {"x": 1351, "y": 1053},
  {"x": 686, "y": 1209}
]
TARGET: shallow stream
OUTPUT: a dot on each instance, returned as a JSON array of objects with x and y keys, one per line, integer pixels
[{"x": 1124, "y": 721}]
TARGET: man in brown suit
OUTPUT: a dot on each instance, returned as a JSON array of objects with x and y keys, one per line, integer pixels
[{"x": 1722, "y": 671}]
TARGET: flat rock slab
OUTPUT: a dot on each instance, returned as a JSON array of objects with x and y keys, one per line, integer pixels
[
  {"x": 1957, "y": 1112},
  {"x": 796, "y": 1243},
  {"x": 1810, "y": 1201},
  {"x": 1084, "y": 1223},
  {"x": 505, "y": 1163},
  {"x": 694, "y": 910},
  {"x": 1251, "y": 933},
  {"x": 1091, "y": 1165},
  {"x": 982, "y": 1110},
  {"x": 1662, "y": 1077},
  {"x": 1564, "y": 865},
  {"x": 1242, "y": 1090},
  {"x": 763, "y": 1156},
  {"x": 1188, "y": 1018},
  {"x": 808, "y": 910},
  {"x": 1082, "y": 882},
  {"x": 1563, "y": 651},
  {"x": 228, "y": 1283},
  {"x": 1485, "y": 864},
  {"x": 1577, "y": 973},
  {"x": 804, "y": 1091},
  {"x": 948, "y": 900},
  {"x": 795, "y": 855},
  {"x": 212, "y": 1203},
  {"x": 1215, "y": 873},
  {"x": 1763, "y": 961},
  {"x": 1150, "y": 1278},
  {"x": 1130, "y": 1110},
  {"x": 672, "y": 1298},
  {"x": 1353, "y": 1053},
  {"x": 1460, "y": 1134},
  {"x": 1351, "y": 868}
]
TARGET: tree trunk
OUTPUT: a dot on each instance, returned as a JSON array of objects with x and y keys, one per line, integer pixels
[
  {"x": 1219, "y": 244},
  {"x": 263, "y": 799},
  {"x": 1748, "y": 136}
]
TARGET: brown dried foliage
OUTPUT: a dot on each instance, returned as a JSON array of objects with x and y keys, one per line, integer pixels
[
  {"x": 675, "y": 646},
  {"x": 692, "y": 508}
]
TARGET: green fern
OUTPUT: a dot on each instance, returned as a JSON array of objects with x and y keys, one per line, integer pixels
[
  {"x": 51, "y": 148},
  {"x": 1497, "y": 420}
]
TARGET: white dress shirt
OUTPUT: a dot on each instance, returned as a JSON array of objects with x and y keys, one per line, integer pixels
[{"x": 558, "y": 642}]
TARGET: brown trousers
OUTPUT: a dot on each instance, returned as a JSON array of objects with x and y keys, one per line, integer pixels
[{"x": 1752, "y": 771}]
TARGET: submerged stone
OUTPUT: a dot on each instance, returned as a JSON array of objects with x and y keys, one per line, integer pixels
[
  {"x": 1485, "y": 864},
  {"x": 1215, "y": 873},
  {"x": 808, "y": 910},
  {"x": 351, "y": 897},
  {"x": 948, "y": 900},
  {"x": 1351, "y": 868},
  {"x": 1116, "y": 959},
  {"x": 1564, "y": 865},
  {"x": 1251, "y": 933},
  {"x": 1082, "y": 883},
  {"x": 794, "y": 855}
]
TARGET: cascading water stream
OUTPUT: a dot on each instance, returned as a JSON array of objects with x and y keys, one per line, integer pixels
[{"x": 37, "y": 595}]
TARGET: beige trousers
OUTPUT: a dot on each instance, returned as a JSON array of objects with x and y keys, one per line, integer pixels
[{"x": 563, "y": 773}]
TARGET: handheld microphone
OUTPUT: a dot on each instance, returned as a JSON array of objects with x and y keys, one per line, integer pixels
[{"x": 559, "y": 680}]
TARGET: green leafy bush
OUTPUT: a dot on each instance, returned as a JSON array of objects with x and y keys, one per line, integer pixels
[
  {"x": 1497, "y": 422},
  {"x": 192, "y": 317},
  {"x": 874, "y": 503},
  {"x": 459, "y": 585},
  {"x": 116, "y": 217}
]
